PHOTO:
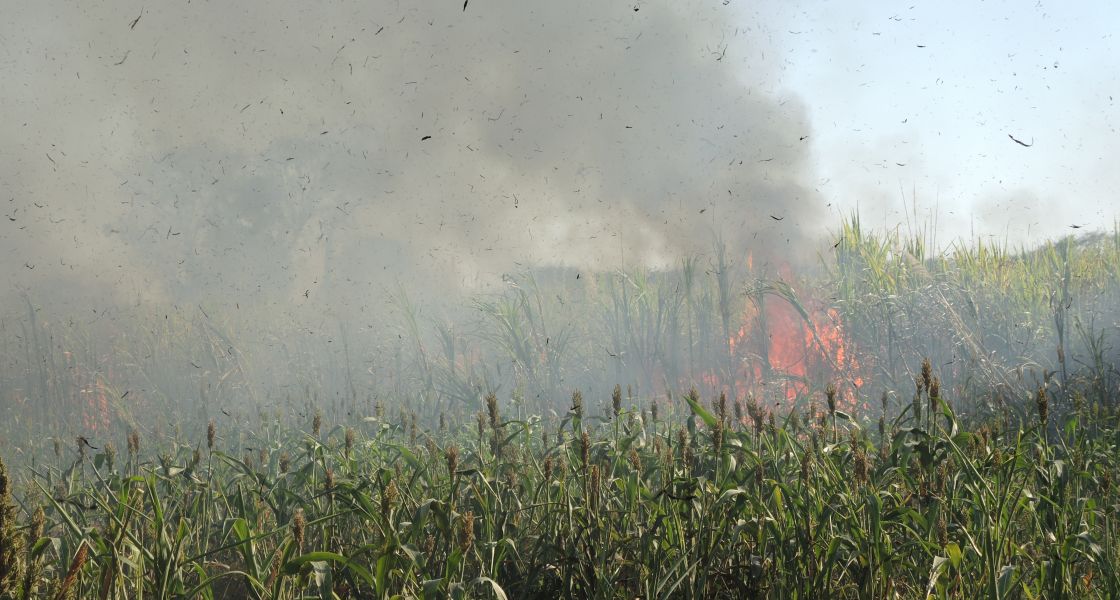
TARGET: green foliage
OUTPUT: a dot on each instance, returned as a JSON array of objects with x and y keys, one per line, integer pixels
[{"x": 604, "y": 507}]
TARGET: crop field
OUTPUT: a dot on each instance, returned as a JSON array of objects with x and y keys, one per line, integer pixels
[{"x": 892, "y": 423}]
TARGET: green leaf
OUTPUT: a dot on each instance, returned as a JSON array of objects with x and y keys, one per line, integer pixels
[
  {"x": 293, "y": 566},
  {"x": 497, "y": 589},
  {"x": 708, "y": 418},
  {"x": 954, "y": 552}
]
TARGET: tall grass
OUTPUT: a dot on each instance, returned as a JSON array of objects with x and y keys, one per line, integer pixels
[
  {"x": 595, "y": 504},
  {"x": 450, "y": 457}
]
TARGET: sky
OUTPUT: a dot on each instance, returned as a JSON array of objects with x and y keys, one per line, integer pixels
[
  {"x": 302, "y": 159},
  {"x": 912, "y": 107}
]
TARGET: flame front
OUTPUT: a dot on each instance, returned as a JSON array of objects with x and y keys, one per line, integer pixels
[{"x": 781, "y": 354}]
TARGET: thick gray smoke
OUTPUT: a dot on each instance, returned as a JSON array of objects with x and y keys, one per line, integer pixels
[{"x": 278, "y": 155}]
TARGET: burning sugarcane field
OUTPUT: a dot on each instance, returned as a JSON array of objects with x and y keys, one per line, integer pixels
[{"x": 497, "y": 299}]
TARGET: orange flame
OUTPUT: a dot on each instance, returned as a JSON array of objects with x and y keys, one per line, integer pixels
[{"x": 784, "y": 354}]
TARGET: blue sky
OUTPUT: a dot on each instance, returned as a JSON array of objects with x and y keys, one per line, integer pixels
[{"x": 938, "y": 87}]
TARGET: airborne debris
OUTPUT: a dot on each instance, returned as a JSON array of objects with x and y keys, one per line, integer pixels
[
  {"x": 427, "y": 137},
  {"x": 132, "y": 25},
  {"x": 1020, "y": 142}
]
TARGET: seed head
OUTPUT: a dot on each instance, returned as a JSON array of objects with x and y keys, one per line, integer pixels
[
  {"x": 492, "y": 409},
  {"x": 466, "y": 532},
  {"x": 616, "y": 400},
  {"x": 452, "y": 456},
  {"x": 38, "y": 521},
  {"x": 653, "y": 410},
  {"x": 389, "y": 497},
  {"x": 317, "y": 423},
  {"x": 110, "y": 454},
  {"x": 860, "y": 465},
  {"x": 830, "y": 396},
  {"x": 285, "y": 462},
  {"x": 927, "y": 374},
  {"x": 756, "y": 413},
  {"x": 693, "y": 395},
  {"x": 577, "y": 404},
  {"x": 349, "y": 440},
  {"x": 585, "y": 449},
  {"x": 299, "y": 524},
  {"x": 75, "y": 567},
  {"x": 211, "y": 430},
  {"x": 1043, "y": 402},
  {"x": 496, "y": 443}
]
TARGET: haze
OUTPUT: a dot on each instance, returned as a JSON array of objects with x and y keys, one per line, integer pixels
[{"x": 298, "y": 161}]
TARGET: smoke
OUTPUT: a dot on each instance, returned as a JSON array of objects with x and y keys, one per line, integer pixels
[{"x": 295, "y": 160}]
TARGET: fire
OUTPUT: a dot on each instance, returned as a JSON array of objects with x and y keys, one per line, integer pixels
[{"x": 783, "y": 353}]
